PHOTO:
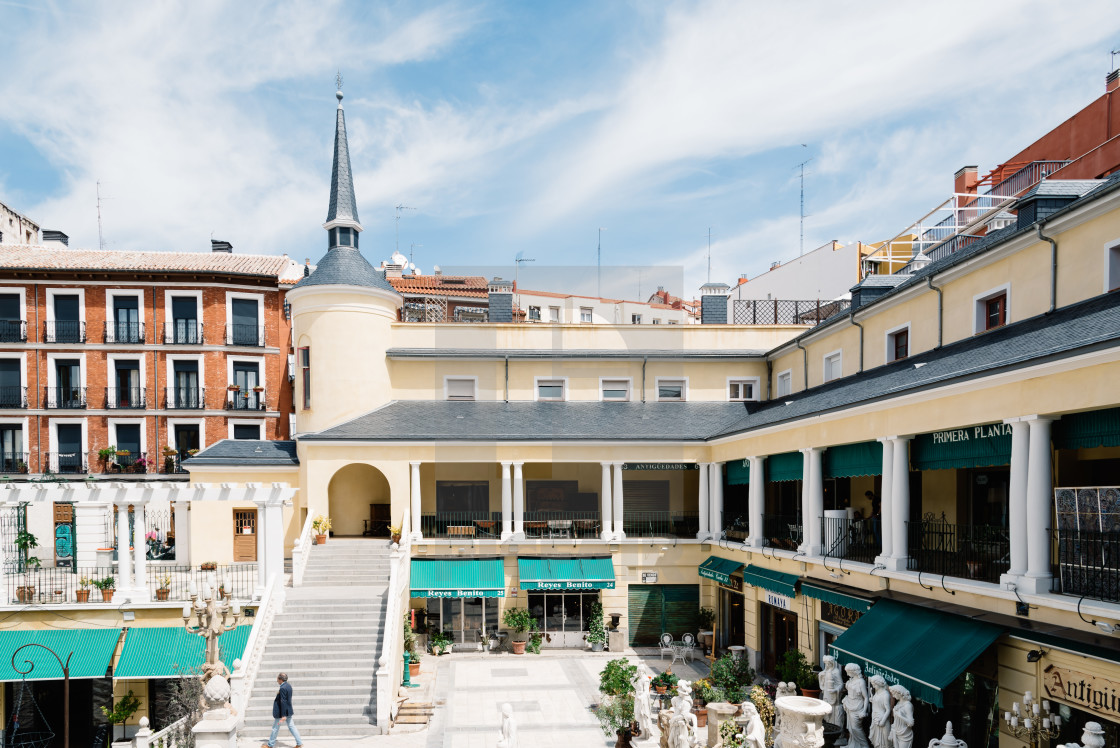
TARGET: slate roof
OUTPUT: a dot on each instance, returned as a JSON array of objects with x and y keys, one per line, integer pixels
[
  {"x": 345, "y": 266},
  {"x": 500, "y": 354},
  {"x": 15, "y": 257},
  {"x": 344, "y": 205},
  {"x": 1062, "y": 188},
  {"x": 246, "y": 452}
]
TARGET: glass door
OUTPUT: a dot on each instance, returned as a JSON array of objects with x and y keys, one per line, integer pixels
[
  {"x": 186, "y": 393},
  {"x": 184, "y": 320},
  {"x": 126, "y": 322},
  {"x": 246, "y": 377}
]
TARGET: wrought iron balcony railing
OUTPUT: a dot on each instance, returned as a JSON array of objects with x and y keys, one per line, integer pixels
[
  {"x": 245, "y": 335},
  {"x": 65, "y": 397},
  {"x": 183, "y": 332},
  {"x": 660, "y": 524},
  {"x": 14, "y": 462},
  {"x": 127, "y": 463},
  {"x": 964, "y": 551},
  {"x": 13, "y": 331},
  {"x": 186, "y": 398},
  {"x": 126, "y": 398},
  {"x": 13, "y": 396},
  {"x": 252, "y": 399},
  {"x": 1088, "y": 564},
  {"x": 64, "y": 331},
  {"x": 124, "y": 333},
  {"x": 852, "y": 539},
  {"x": 782, "y": 531},
  {"x": 65, "y": 462}
]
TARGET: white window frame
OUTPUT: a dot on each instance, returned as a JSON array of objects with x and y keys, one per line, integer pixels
[
  {"x": 172, "y": 293},
  {"x": 257, "y": 297},
  {"x": 22, "y": 357},
  {"x": 786, "y": 375},
  {"x": 141, "y": 422},
  {"x": 554, "y": 314},
  {"x": 258, "y": 360},
  {"x": 888, "y": 342},
  {"x": 530, "y": 317},
  {"x": 754, "y": 382},
  {"x": 52, "y": 434},
  {"x": 629, "y": 389},
  {"x": 657, "y": 320},
  {"x": 980, "y": 312},
  {"x": 111, "y": 360},
  {"x": 52, "y": 377},
  {"x": 173, "y": 422},
  {"x": 61, "y": 291},
  {"x": 635, "y": 319},
  {"x": 537, "y": 389},
  {"x": 200, "y": 359},
  {"x": 684, "y": 389},
  {"x": 590, "y": 313},
  {"x": 113, "y": 293},
  {"x": 447, "y": 390},
  {"x": 22, "y": 299},
  {"x": 259, "y": 423},
  {"x": 23, "y": 427},
  {"x": 1111, "y": 266},
  {"x": 838, "y": 354}
]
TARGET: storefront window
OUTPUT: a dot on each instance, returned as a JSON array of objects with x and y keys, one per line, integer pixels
[
  {"x": 561, "y": 612},
  {"x": 463, "y": 618}
]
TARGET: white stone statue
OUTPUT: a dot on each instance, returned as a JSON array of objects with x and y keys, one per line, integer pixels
[
  {"x": 831, "y": 683},
  {"x": 802, "y": 721},
  {"x": 879, "y": 732},
  {"x": 754, "y": 732},
  {"x": 783, "y": 690},
  {"x": 682, "y": 725},
  {"x": 643, "y": 714},
  {"x": 902, "y": 728},
  {"x": 1092, "y": 736},
  {"x": 856, "y": 705},
  {"x": 507, "y": 738}
]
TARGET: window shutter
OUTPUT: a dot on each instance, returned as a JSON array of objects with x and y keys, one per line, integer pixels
[
  {"x": 644, "y": 614},
  {"x": 646, "y": 495}
]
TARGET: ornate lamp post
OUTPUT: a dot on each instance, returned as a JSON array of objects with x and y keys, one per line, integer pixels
[
  {"x": 1035, "y": 723},
  {"x": 211, "y": 614},
  {"x": 65, "y": 684}
]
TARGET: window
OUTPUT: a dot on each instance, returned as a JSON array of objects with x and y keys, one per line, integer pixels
[
  {"x": 247, "y": 431},
  {"x": 11, "y": 318},
  {"x": 249, "y": 394},
  {"x": 672, "y": 389},
  {"x": 554, "y": 314},
  {"x": 615, "y": 390},
  {"x": 184, "y": 328},
  {"x": 534, "y": 314},
  {"x": 460, "y": 388},
  {"x": 128, "y": 393},
  {"x": 185, "y": 391},
  {"x": 992, "y": 309},
  {"x": 124, "y": 325},
  {"x": 585, "y": 314},
  {"x": 1112, "y": 268},
  {"x": 11, "y": 383},
  {"x": 656, "y": 321},
  {"x": 244, "y": 318},
  {"x": 833, "y": 366},
  {"x": 898, "y": 343},
  {"x": 635, "y": 319},
  {"x": 67, "y": 324},
  {"x": 305, "y": 369},
  {"x": 739, "y": 390},
  {"x": 551, "y": 389},
  {"x": 11, "y": 448},
  {"x": 995, "y": 312},
  {"x": 785, "y": 383}
]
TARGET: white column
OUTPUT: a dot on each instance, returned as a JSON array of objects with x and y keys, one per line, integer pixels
[
  {"x": 124, "y": 552},
  {"x": 182, "y": 532},
  {"x": 414, "y": 499},
  {"x": 262, "y": 548},
  {"x": 1017, "y": 501},
  {"x": 812, "y": 487},
  {"x": 900, "y": 503},
  {"x": 140, "y": 553},
  {"x": 605, "y": 490},
  {"x": 273, "y": 538},
  {"x": 1040, "y": 489},
  {"x": 507, "y": 502},
  {"x": 886, "y": 506},
  {"x": 756, "y": 502},
  {"x": 703, "y": 499},
  {"x": 618, "y": 533},
  {"x": 518, "y": 501},
  {"x": 715, "y": 490}
]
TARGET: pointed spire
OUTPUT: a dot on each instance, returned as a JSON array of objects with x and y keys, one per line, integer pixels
[{"x": 343, "y": 210}]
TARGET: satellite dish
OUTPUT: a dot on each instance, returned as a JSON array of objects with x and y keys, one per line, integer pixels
[
  {"x": 435, "y": 268},
  {"x": 411, "y": 266}
]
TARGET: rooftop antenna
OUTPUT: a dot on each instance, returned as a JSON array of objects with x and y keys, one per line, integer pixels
[
  {"x": 599, "y": 263},
  {"x": 1114, "y": 52},
  {"x": 517, "y": 260},
  {"x": 397, "y": 241},
  {"x": 709, "y": 254},
  {"x": 801, "y": 166},
  {"x": 100, "y": 234},
  {"x": 412, "y": 251}
]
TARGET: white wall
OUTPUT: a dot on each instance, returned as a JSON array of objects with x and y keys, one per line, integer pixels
[{"x": 824, "y": 273}]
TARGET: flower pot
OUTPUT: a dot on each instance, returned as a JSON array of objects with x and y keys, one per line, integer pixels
[
  {"x": 396, "y": 538},
  {"x": 107, "y": 595},
  {"x": 81, "y": 596},
  {"x": 596, "y": 646},
  {"x": 701, "y": 717},
  {"x": 661, "y": 689},
  {"x": 519, "y": 648},
  {"x": 812, "y": 693},
  {"x": 162, "y": 594},
  {"x": 321, "y": 539},
  {"x": 208, "y": 567},
  {"x": 413, "y": 669},
  {"x": 25, "y": 594}
]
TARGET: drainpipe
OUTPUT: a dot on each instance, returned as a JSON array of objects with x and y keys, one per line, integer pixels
[
  {"x": 852, "y": 319},
  {"x": 507, "y": 378},
  {"x": 644, "y": 359},
  {"x": 1053, "y": 268},
  {"x": 804, "y": 362},
  {"x": 769, "y": 376},
  {"x": 940, "y": 295}
]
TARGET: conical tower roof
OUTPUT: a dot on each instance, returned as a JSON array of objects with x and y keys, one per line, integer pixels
[{"x": 343, "y": 209}]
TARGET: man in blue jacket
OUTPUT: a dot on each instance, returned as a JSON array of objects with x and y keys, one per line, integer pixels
[{"x": 282, "y": 710}]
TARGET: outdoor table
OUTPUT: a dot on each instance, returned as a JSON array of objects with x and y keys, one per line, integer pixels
[
  {"x": 535, "y": 528},
  {"x": 487, "y": 526},
  {"x": 679, "y": 649},
  {"x": 585, "y": 528}
]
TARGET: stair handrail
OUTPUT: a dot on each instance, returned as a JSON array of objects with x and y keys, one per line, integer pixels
[
  {"x": 245, "y": 669},
  {"x": 390, "y": 665},
  {"x": 168, "y": 737},
  {"x": 300, "y": 552}
]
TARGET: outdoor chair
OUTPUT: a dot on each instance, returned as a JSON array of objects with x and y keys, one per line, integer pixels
[
  {"x": 559, "y": 528},
  {"x": 664, "y": 644},
  {"x": 690, "y": 642},
  {"x": 462, "y": 531}
]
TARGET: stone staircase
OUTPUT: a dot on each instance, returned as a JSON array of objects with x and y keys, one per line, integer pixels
[{"x": 327, "y": 640}]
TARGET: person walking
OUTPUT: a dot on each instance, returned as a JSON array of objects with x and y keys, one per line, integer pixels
[{"x": 282, "y": 710}]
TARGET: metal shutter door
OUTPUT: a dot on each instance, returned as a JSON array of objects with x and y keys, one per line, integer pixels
[
  {"x": 646, "y": 495},
  {"x": 644, "y": 614},
  {"x": 680, "y": 609}
]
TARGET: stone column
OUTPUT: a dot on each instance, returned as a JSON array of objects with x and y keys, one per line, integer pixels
[
  {"x": 124, "y": 554},
  {"x": 813, "y": 503},
  {"x": 715, "y": 490},
  {"x": 605, "y": 490},
  {"x": 140, "y": 553},
  {"x": 182, "y": 532},
  {"x": 618, "y": 532},
  {"x": 507, "y": 502},
  {"x": 518, "y": 501},
  {"x": 1040, "y": 490},
  {"x": 1017, "y": 500},
  {"x": 900, "y": 503},
  {"x": 886, "y": 506},
  {"x": 415, "y": 499},
  {"x": 756, "y": 502},
  {"x": 703, "y": 500}
]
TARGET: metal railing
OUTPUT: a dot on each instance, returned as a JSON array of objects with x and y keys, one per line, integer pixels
[
  {"x": 66, "y": 462},
  {"x": 173, "y": 463},
  {"x": 785, "y": 311},
  {"x": 963, "y": 551},
  {"x": 481, "y": 524},
  {"x": 64, "y": 397},
  {"x": 252, "y": 399},
  {"x": 64, "y": 331},
  {"x": 13, "y": 396},
  {"x": 124, "y": 333},
  {"x": 52, "y": 585},
  {"x": 1025, "y": 178},
  {"x": 126, "y": 398},
  {"x": 183, "y": 332},
  {"x": 13, "y": 331},
  {"x": 1088, "y": 564},
  {"x": 782, "y": 531},
  {"x": 185, "y": 398},
  {"x": 660, "y": 524},
  {"x": 245, "y": 335},
  {"x": 561, "y": 524},
  {"x": 851, "y": 539},
  {"x": 127, "y": 463},
  {"x": 14, "y": 462},
  {"x": 176, "y": 580}
]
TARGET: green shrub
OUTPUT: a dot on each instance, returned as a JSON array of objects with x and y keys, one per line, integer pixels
[
  {"x": 733, "y": 676},
  {"x": 615, "y": 714},
  {"x": 617, "y": 678},
  {"x": 596, "y": 634},
  {"x": 518, "y": 619},
  {"x": 792, "y": 666}
]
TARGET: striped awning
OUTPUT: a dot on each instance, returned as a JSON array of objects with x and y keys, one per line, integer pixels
[
  {"x": 719, "y": 569},
  {"x": 89, "y": 651},
  {"x": 769, "y": 579},
  {"x": 171, "y": 652},
  {"x": 457, "y": 577},
  {"x": 566, "y": 573}
]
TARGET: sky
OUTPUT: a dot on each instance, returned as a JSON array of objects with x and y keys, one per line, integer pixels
[{"x": 532, "y": 128}]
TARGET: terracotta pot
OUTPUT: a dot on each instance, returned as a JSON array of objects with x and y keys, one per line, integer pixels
[
  {"x": 107, "y": 595},
  {"x": 661, "y": 689},
  {"x": 162, "y": 594},
  {"x": 396, "y": 538},
  {"x": 701, "y": 717},
  {"x": 208, "y": 567},
  {"x": 25, "y": 594},
  {"x": 81, "y": 596},
  {"x": 320, "y": 540},
  {"x": 519, "y": 648},
  {"x": 811, "y": 693},
  {"x": 413, "y": 669}
]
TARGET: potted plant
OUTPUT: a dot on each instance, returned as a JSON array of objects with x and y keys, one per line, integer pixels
[
  {"x": 107, "y": 587},
  {"x": 440, "y": 642},
  {"x": 258, "y": 388},
  {"x": 105, "y": 454},
  {"x": 169, "y": 455},
  {"x": 792, "y": 666},
  {"x": 322, "y": 527},
  {"x": 140, "y": 465},
  {"x": 617, "y": 677},
  {"x": 26, "y": 592},
  {"x": 410, "y": 647},
  {"x": 208, "y": 565},
  {"x": 82, "y": 595},
  {"x": 234, "y": 388},
  {"x": 395, "y": 533},
  {"x": 192, "y": 452},
  {"x": 122, "y": 711},
  {"x": 596, "y": 635},
  {"x": 164, "y": 589},
  {"x": 536, "y": 638},
  {"x": 520, "y": 620},
  {"x": 662, "y": 682},
  {"x": 21, "y": 467},
  {"x": 733, "y": 677},
  {"x": 729, "y": 735}
]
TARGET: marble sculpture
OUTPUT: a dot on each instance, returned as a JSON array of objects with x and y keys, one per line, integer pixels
[
  {"x": 507, "y": 738},
  {"x": 902, "y": 728},
  {"x": 879, "y": 732},
  {"x": 831, "y": 683},
  {"x": 856, "y": 705}
]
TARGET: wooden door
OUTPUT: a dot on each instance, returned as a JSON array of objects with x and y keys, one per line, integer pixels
[{"x": 244, "y": 535}]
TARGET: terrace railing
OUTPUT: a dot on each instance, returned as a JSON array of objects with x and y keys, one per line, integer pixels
[
  {"x": 65, "y": 462},
  {"x": 13, "y": 396},
  {"x": 661, "y": 524},
  {"x": 1088, "y": 564},
  {"x": 126, "y": 398},
  {"x": 851, "y": 539},
  {"x": 562, "y": 524},
  {"x": 183, "y": 332},
  {"x": 785, "y": 311},
  {"x": 64, "y": 331},
  {"x": 782, "y": 531},
  {"x": 479, "y": 524},
  {"x": 238, "y": 334},
  {"x": 13, "y": 331},
  {"x": 964, "y": 551},
  {"x": 62, "y": 585},
  {"x": 186, "y": 398},
  {"x": 251, "y": 399},
  {"x": 121, "y": 333},
  {"x": 67, "y": 398}
]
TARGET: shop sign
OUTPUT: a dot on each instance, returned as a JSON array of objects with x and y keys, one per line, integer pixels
[
  {"x": 838, "y": 614},
  {"x": 660, "y": 466},
  {"x": 971, "y": 434},
  {"x": 568, "y": 584},
  {"x": 778, "y": 601},
  {"x": 649, "y": 577},
  {"x": 734, "y": 584},
  {"x": 1081, "y": 690},
  {"x": 457, "y": 593}
]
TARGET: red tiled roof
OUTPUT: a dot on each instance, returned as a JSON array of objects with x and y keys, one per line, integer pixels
[
  {"x": 16, "y": 257},
  {"x": 442, "y": 285}
]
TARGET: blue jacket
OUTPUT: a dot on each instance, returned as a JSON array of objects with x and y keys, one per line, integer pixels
[{"x": 282, "y": 705}]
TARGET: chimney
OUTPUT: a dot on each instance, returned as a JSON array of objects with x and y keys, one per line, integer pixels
[
  {"x": 966, "y": 179},
  {"x": 775, "y": 265},
  {"x": 437, "y": 271},
  {"x": 1112, "y": 81},
  {"x": 306, "y": 267},
  {"x": 501, "y": 300},
  {"x": 55, "y": 237},
  {"x": 220, "y": 246},
  {"x": 713, "y": 303}
]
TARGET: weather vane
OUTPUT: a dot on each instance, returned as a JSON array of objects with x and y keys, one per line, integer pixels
[{"x": 338, "y": 80}]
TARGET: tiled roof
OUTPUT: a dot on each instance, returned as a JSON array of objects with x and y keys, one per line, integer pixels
[
  {"x": 474, "y": 286},
  {"x": 345, "y": 266},
  {"x": 246, "y": 451},
  {"x": 23, "y": 257}
]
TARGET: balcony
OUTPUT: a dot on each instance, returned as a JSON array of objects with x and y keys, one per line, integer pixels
[
  {"x": 1088, "y": 564},
  {"x": 251, "y": 335},
  {"x": 782, "y": 531},
  {"x": 64, "y": 331},
  {"x": 784, "y": 311},
  {"x": 124, "y": 333},
  {"x": 67, "y": 463},
  {"x": 126, "y": 463},
  {"x": 185, "y": 398},
  {"x": 660, "y": 524},
  {"x": 979, "y": 552},
  {"x": 851, "y": 539},
  {"x": 252, "y": 399},
  {"x": 165, "y": 582},
  {"x": 183, "y": 332},
  {"x": 1026, "y": 177},
  {"x": 486, "y": 525},
  {"x": 14, "y": 462},
  {"x": 65, "y": 398},
  {"x": 173, "y": 463},
  {"x": 13, "y": 396},
  {"x": 13, "y": 331},
  {"x": 126, "y": 398}
]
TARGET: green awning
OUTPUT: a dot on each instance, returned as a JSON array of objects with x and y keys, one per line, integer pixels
[
  {"x": 738, "y": 472},
  {"x": 922, "y": 649},
  {"x": 783, "y": 467},
  {"x": 170, "y": 652},
  {"x": 768, "y": 579},
  {"x": 1094, "y": 428},
  {"x": 972, "y": 447},
  {"x": 719, "y": 569},
  {"x": 566, "y": 573},
  {"x": 828, "y": 594},
  {"x": 458, "y": 577},
  {"x": 92, "y": 652},
  {"x": 850, "y": 460}
]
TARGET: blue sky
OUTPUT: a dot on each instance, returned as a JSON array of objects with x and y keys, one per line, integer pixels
[{"x": 524, "y": 127}]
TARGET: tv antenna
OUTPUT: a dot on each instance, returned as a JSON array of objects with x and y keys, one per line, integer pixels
[
  {"x": 517, "y": 260},
  {"x": 397, "y": 241},
  {"x": 100, "y": 233},
  {"x": 599, "y": 263},
  {"x": 801, "y": 166},
  {"x": 411, "y": 252},
  {"x": 709, "y": 254}
]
